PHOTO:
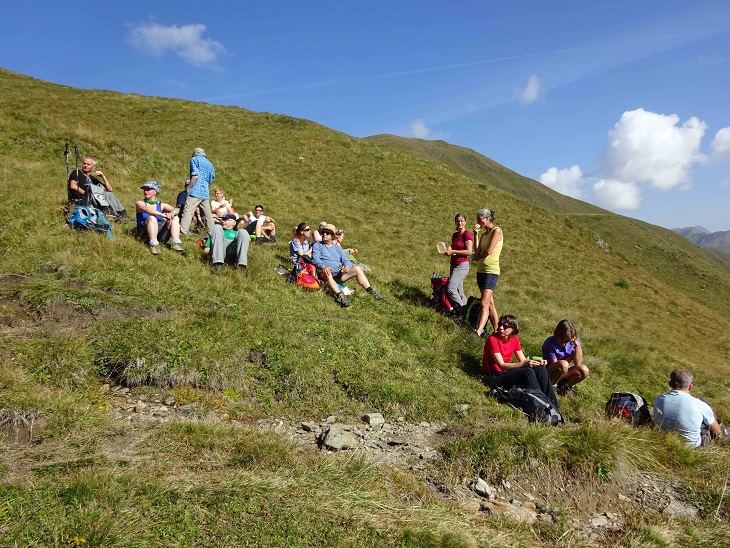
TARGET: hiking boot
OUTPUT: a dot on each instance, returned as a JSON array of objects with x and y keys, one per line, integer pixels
[
  {"x": 262, "y": 240},
  {"x": 155, "y": 249},
  {"x": 272, "y": 239},
  {"x": 375, "y": 295},
  {"x": 566, "y": 391},
  {"x": 342, "y": 300},
  {"x": 179, "y": 248},
  {"x": 242, "y": 270},
  {"x": 217, "y": 268}
]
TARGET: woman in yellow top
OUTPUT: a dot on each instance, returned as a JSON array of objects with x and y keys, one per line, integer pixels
[{"x": 488, "y": 247}]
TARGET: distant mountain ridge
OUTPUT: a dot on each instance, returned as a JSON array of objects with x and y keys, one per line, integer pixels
[{"x": 703, "y": 237}]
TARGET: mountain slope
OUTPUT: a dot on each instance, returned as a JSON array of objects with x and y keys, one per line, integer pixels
[{"x": 75, "y": 308}]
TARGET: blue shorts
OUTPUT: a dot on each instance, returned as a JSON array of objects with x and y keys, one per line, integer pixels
[{"x": 487, "y": 281}]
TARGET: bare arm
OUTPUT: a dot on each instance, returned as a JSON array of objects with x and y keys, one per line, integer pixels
[
  {"x": 461, "y": 252},
  {"x": 191, "y": 184},
  {"x": 578, "y": 354},
  {"x": 716, "y": 430},
  {"x": 104, "y": 181},
  {"x": 522, "y": 361}
]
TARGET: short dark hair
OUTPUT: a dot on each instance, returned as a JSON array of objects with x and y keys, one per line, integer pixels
[
  {"x": 565, "y": 329},
  {"x": 510, "y": 321},
  {"x": 456, "y": 217},
  {"x": 258, "y": 207},
  {"x": 680, "y": 379}
]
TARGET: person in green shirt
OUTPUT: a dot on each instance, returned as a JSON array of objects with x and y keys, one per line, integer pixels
[{"x": 228, "y": 244}]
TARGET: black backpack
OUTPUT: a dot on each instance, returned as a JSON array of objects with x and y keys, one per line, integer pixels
[
  {"x": 472, "y": 310},
  {"x": 533, "y": 403},
  {"x": 629, "y": 407}
]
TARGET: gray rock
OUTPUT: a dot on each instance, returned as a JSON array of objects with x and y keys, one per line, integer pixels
[
  {"x": 547, "y": 518},
  {"x": 374, "y": 419},
  {"x": 407, "y": 199},
  {"x": 337, "y": 438},
  {"x": 461, "y": 407},
  {"x": 169, "y": 401},
  {"x": 677, "y": 509},
  {"x": 330, "y": 420},
  {"x": 428, "y": 455},
  {"x": 599, "y": 521},
  {"x": 309, "y": 426},
  {"x": 187, "y": 409},
  {"x": 481, "y": 488},
  {"x": 141, "y": 407}
]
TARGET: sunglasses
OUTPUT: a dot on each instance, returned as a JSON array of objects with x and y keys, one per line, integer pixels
[
  {"x": 306, "y": 229},
  {"x": 504, "y": 326},
  {"x": 327, "y": 233}
]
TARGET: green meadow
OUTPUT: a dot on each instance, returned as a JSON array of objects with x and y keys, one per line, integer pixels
[{"x": 78, "y": 310}]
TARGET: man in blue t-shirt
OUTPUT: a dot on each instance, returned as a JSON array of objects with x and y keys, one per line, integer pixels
[
  {"x": 202, "y": 174},
  {"x": 333, "y": 267},
  {"x": 690, "y": 417}
]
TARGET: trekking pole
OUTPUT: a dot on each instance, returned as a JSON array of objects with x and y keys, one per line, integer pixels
[
  {"x": 65, "y": 153},
  {"x": 76, "y": 153}
]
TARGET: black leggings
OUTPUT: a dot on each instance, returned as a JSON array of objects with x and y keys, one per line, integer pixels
[{"x": 528, "y": 377}]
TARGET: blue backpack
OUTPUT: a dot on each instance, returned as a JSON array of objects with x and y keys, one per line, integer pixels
[{"x": 87, "y": 217}]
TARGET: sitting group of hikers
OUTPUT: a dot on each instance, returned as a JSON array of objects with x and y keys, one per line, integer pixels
[
  {"x": 324, "y": 255},
  {"x": 320, "y": 251}
]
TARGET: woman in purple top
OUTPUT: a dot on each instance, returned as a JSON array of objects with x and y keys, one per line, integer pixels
[
  {"x": 560, "y": 350},
  {"x": 462, "y": 244}
]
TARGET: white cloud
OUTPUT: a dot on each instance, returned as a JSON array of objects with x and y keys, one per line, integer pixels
[
  {"x": 185, "y": 41},
  {"x": 720, "y": 145},
  {"x": 531, "y": 91},
  {"x": 613, "y": 194},
  {"x": 566, "y": 181},
  {"x": 645, "y": 146},
  {"x": 419, "y": 129}
]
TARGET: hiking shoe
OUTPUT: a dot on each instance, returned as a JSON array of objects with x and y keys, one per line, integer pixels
[
  {"x": 272, "y": 239},
  {"x": 342, "y": 300},
  {"x": 155, "y": 249},
  {"x": 242, "y": 270},
  {"x": 179, "y": 248},
  {"x": 217, "y": 267},
  {"x": 566, "y": 391},
  {"x": 377, "y": 296},
  {"x": 262, "y": 240}
]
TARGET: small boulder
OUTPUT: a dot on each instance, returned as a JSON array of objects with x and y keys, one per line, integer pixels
[
  {"x": 338, "y": 438},
  {"x": 374, "y": 419}
]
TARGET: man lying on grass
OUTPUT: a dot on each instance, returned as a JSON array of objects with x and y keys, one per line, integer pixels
[{"x": 333, "y": 267}]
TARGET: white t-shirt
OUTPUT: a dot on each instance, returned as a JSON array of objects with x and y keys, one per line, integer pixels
[
  {"x": 677, "y": 411},
  {"x": 254, "y": 219}
]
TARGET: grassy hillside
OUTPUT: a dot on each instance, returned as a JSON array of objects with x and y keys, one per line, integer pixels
[{"x": 77, "y": 308}]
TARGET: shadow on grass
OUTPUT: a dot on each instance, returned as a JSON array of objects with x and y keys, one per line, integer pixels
[
  {"x": 470, "y": 365},
  {"x": 409, "y": 293}
]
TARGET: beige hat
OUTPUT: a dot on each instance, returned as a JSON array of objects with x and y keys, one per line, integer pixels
[
  {"x": 198, "y": 152},
  {"x": 328, "y": 227}
]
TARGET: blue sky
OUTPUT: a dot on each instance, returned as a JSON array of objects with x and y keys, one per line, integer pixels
[{"x": 623, "y": 104}]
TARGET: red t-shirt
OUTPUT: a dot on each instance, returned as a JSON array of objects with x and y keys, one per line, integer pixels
[
  {"x": 458, "y": 243},
  {"x": 495, "y": 345}
]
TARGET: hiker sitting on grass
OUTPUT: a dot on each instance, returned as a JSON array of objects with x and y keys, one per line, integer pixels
[
  {"x": 262, "y": 226},
  {"x": 333, "y": 267},
  {"x": 220, "y": 205},
  {"x": 226, "y": 243},
  {"x": 157, "y": 221},
  {"x": 499, "y": 349},
  {"x": 88, "y": 187},
  {"x": 299, "y": 248},
  {"x": 690, "y": 417},
  {"x": 317, "y": 235},
  {"x": 339, "y": 238},
  {"x": 560, "y": 350}
]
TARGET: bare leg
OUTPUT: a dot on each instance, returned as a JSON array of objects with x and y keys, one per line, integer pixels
[
  {"x": 488, "y": 311},
  {"x": 357, "y": 273},
  {"x": 152, "y": 228}
]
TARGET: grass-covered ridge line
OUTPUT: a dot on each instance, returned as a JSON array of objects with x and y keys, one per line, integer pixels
[{"x": 75, "y": 307}]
